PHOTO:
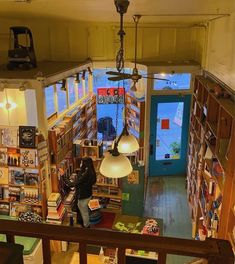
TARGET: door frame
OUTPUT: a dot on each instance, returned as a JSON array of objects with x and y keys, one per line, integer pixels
[{"x": 171, "y": 166}]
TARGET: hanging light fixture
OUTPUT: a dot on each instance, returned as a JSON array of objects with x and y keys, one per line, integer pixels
[
  {"x": 127, "y": 142},
  {"x": 115, "y": 164}
]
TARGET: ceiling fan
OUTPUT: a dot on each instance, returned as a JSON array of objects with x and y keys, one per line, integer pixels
[{"x": 135, "y": 76}]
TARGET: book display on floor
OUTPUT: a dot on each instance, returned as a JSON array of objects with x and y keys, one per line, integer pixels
[
  {"x": 211, "y": 161},
  {"x": 23, "y": 170},
  {"x": 56, "y": 209}
]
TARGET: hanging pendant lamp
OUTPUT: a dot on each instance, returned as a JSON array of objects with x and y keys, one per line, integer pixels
[
  {"x": 127, "y": 143},
  {"x": 115, "y": 165}
]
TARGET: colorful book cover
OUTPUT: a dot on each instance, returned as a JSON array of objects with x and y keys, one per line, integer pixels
[
  {"x": 4, "y": 177},
  {"x": 16, "y": 176},
  {"x": 4, "y": 209},
  {"x": 16, "y": 209},
  {"x": 3, "y": 156},
  {"x": 28, "y": 158},
  {"x": 10, "y": 137},
  {"x": 14, "y": 194},
  {"x": 31, "y": 177}
]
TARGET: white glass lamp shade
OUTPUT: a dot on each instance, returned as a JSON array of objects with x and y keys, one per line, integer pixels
[
  {"x": 115, "y": 166},
  {"x": 128, "y": 144}
]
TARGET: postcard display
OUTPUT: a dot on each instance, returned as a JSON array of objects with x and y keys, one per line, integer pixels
[{"x": 23, "y": 171}]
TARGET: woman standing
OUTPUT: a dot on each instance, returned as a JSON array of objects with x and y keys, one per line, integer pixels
[{"x": 86, "y": 177}]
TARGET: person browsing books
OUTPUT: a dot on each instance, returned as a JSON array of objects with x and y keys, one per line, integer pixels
[{"x": 86, "y": 177}]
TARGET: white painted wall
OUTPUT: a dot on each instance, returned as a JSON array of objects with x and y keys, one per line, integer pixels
[
  {"x": 220, "y": 59},
  {"x": 59, "y": 40}
]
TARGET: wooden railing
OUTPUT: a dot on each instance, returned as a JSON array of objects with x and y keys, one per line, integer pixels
[{"x": 215, "y": 251}]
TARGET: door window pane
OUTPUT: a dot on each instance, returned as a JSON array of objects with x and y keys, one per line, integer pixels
[
  {"x": 61, "y": 95},
  {"x": 71, "y": 91},
  {"x": 80, "y": 89},
  {"x": 49, "y": 95},
  {"x": 176, "y": 81},
  {"x": 169, "y": 130}
]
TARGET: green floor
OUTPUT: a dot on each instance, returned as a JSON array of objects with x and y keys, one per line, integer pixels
[{"x": 166, "y": 198}]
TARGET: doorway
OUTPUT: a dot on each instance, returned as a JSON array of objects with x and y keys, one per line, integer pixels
[{"x": 168, "y": 134}]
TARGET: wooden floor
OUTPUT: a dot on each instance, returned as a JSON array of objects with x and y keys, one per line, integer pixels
[{"x": 166, "y": 198}]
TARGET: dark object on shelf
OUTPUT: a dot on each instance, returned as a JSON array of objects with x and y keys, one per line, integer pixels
[
  {"x": 27, "y": 136},
  {"x": 21, "y": 53},
  {"x": 11, "y": 253}
]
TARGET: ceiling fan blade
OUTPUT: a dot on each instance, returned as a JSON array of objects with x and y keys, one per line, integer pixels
[
  {"x": 118, "y": 78},
  {"x": 113, "y": 73},
  {"x": 154, "y": 78}
]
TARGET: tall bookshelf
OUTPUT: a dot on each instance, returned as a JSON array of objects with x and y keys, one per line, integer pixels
[
  {"x": 77, "y": 124},
  {"x": 24, "y": 173},
  {"x": 135, "y": 111},
  {"x": 211, "y": 161}
]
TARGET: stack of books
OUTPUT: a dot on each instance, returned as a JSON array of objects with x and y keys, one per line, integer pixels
[
  {"x": 56, "y": 209},
  {"x": 68, "y": 201}
]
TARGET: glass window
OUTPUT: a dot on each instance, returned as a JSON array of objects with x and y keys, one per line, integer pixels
[
  {"x": 62, "y": 101},
  {"x": 50, "y": 105},
  {"x": 176, "y": 81},
  {"x": 71, "y": 91},
  {"x": 86, "y": 83},
  {"x": 169, "y": 130},
  {"x": 80, "y": 89}
]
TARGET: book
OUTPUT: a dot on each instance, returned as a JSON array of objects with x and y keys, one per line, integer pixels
[
  {"x": 17, "y": 208},
  {"x": 4, "y": 209},
  {"x": 10, "y": 136},
  {"x": 31, "y": 177},
  {"x": 216, "y": 170},
  {"x": 28, "y": 158},
  {"x": 14, "y": 194},
  {"x": 16, "y": 176},
  {"x": 94, "y": 204},
  {"x": 3, "y": 156},
  {"x": 4, "y": 178}
]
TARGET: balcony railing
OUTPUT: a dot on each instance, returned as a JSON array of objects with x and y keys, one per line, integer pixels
[{"x": 215, "y": 251}]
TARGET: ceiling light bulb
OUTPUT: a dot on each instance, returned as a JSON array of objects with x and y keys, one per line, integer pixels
[
  {"x": 115, "y": 166},
  {"x": 133, "y": 87}
]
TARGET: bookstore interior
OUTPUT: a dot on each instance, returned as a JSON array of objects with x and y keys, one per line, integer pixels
[{"x": 55, "y": 114}]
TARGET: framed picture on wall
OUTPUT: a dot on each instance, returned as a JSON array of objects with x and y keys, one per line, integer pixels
[{"x": 27, "y": 135}]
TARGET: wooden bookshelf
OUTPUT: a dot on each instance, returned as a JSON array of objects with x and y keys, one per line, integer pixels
[
  {"x": 211, "y": 161},
  {"x": 24, "y": 185},
  {"x": 135, "y": 111}
]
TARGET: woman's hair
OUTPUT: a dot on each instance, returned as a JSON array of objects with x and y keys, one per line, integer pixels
[{"x": 87, "y": 162}]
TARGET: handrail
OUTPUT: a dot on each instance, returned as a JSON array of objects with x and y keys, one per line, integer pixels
[{"x": 214, "y": 250}]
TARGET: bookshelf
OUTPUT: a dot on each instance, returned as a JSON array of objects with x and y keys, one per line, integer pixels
[
  {"x": 24, "y": 173},
  {"x": 211, "y": 161},
  {"x": 78, "y": 123},
  {"x": 135, "y": 111}
]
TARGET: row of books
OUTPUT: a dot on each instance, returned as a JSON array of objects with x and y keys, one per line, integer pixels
[
  {"x": 19, "y": 176},
  {"x": 18, "y": 157},
  {"x": 20, "y": 194},
  {"x": 105, "y": 180},
  {"x": 14, "y": 209}
]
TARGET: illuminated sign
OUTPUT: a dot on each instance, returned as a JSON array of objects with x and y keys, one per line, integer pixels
[{"x": 110, "y": 95}]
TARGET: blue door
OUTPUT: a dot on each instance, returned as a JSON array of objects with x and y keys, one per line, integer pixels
[{"x": 169, "y": 134}]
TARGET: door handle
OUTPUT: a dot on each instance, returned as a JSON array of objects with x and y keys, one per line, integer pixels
[{"x": 151, "y": 149}]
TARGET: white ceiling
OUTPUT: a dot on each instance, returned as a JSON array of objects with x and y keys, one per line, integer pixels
[{"x": 159, "y": 11}]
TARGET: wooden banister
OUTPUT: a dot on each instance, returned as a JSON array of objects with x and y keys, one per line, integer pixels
[{"x": 216, "y": 250}]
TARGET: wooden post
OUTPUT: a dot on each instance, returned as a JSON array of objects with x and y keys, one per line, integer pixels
[
  {"x": 161, "y": 258},
  {"x": 121, "y": 256},
  {"x": 82, "y": 253},
  {"x": 46, "y": 251},
  {"x": 10, "y": 238}
]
